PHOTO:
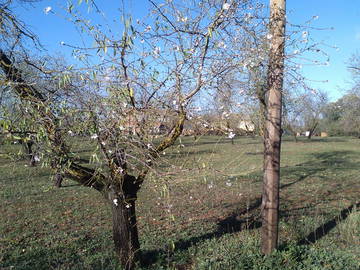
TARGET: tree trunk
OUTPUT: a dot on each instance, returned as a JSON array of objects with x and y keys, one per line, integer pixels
[
  {"x": 294, "y": 133},
  {"x": 312, "y": 130},
  {"x": 58, "y": 178},
  {"x": 295, "y": 138},
  {"x": 272, "y": 135},
  {"x": 125, "y": 232},
  {"x": 29, "y": 151}
]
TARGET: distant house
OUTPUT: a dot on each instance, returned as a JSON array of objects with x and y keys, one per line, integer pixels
[
  {"x": 246, "y": 125},
  {"x": 324, "y": 134},
  {"x": 152, "y": 121}
]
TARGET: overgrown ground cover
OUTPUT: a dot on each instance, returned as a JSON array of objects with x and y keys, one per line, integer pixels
[{"x": 198, "y": 210}]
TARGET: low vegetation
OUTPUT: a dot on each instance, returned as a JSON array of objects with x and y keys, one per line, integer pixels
[{"x": 204, "y": 210}]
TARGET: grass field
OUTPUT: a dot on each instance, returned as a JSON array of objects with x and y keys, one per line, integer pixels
[{"x": 198, "y": 210}]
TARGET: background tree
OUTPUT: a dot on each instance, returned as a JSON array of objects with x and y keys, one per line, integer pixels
[
  {"x": 313, "y": 106},
  {"x": 342, "y": 118},
  {"x": 292, "y": 116},
  {"x": 303, "y": 111}
]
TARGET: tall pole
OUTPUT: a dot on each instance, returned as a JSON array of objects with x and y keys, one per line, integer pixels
[{"x": 272, "y": 134}]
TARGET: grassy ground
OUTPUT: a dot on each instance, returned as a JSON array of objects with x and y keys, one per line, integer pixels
[{"x": 198, "y": 210}]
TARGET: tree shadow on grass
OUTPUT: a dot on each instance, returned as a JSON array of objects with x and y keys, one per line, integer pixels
[
  {"x": 236, "y": 221},
  {"x": 304, "y": 139},
  {"x": 325, "y": 228},
  {"x": 336, "y": 161},
  {"x": 301, "y": 171},
  {"x": 215, "y": 140},
  {"x": 188, "y": 153},
  {"x": 248, "y": 219},
  {"x": 230, "y": 224}
]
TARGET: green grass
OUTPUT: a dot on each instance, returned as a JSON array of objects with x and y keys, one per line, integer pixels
[{"x": 198, "y": 210}]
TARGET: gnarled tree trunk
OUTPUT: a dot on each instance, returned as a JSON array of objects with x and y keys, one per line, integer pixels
[{"x": 122, "y": 201}]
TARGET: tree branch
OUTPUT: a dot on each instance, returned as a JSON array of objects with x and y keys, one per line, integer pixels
[{"x": 85, "y": 176}]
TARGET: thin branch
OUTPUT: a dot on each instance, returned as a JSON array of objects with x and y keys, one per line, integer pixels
[
  {"x": 85, "y": 176},
  {"x": 173, "y": 25}
]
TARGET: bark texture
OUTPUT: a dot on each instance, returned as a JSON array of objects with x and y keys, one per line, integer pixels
[
  {"x": 122, "y": 201},
  {"x": 272, "y": 136}
]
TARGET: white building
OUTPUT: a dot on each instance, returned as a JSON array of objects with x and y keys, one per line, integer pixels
[{"x": 247, "y": 126}]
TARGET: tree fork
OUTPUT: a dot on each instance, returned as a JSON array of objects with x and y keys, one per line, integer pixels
[
  {"x": 272, "y": 135},
  {"x": 119, "y": 189}
]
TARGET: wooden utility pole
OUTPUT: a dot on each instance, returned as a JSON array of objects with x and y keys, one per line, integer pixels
[{"x": 272, "y": 134}]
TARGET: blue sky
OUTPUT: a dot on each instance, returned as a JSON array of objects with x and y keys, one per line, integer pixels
[{"x": 342, "y": 16}]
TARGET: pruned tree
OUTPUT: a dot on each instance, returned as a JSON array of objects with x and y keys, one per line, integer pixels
[{"x": 140, "y": 77}]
